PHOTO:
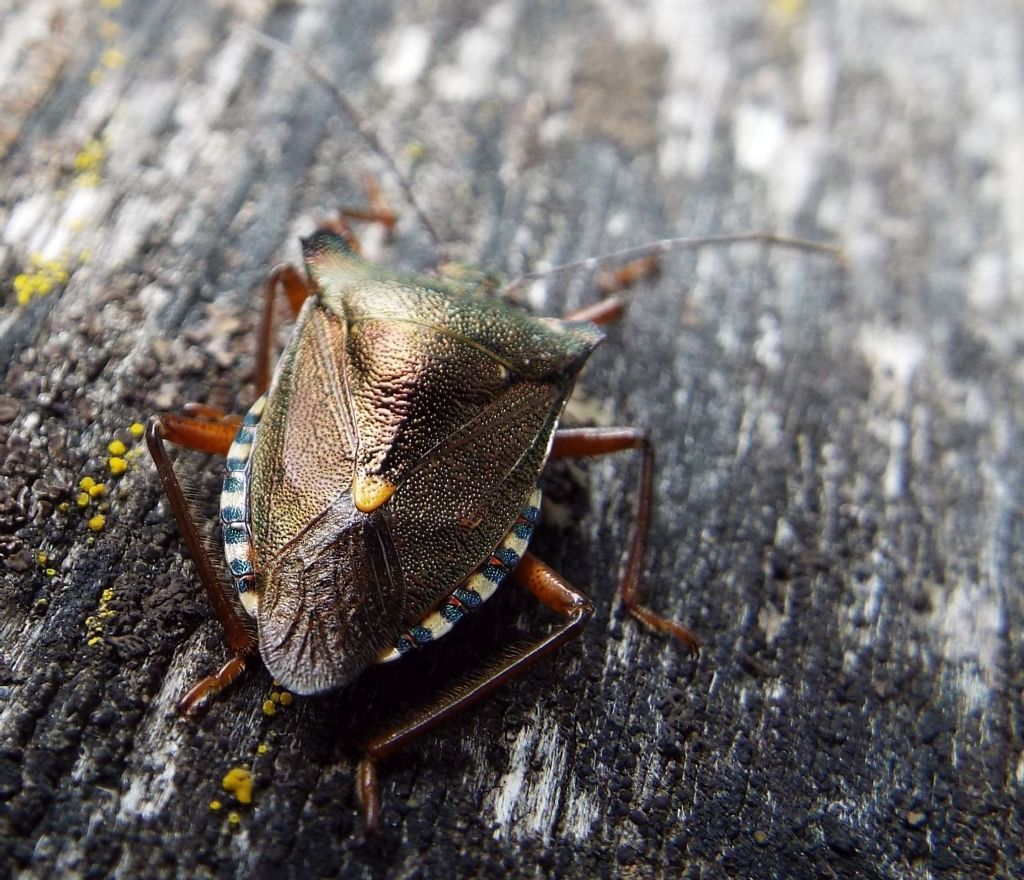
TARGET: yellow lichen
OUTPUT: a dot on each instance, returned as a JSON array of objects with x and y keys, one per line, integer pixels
[
  {"x": 116, "y": 447},
  {"x": 234, "y": 818},
  {"x": 137, "y": 429},
  {"x": 269, "y": 707},
  {"x": 117, "y": 465},
  {"x": 238, "y": 781},
  {"x": 286, "y": 698},
  {"x": 88, "y": 162},
  {"x": 87, "y": 483},
  {"x": 96, "y": 523},
  {"x": 83, "y": 499},
  {"x": 415, "y": 151},
  {"x": 42, "y": 558},
  {"x": 51, "y": 572},
  {"x": 41, "y": 277},
  {"x": 262, "y": 749},
  {"x": 94, "y": 622},
  {"x": 97, "y": 489},
  {"x": 216, "y": 805},
  {"x": 112, "y": 58}
]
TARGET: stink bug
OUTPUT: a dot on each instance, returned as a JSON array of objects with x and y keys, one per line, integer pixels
[{"x": 385, "y": 481}]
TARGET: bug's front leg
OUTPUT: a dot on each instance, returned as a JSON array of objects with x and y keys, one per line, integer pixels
[
  {"x": 207, "y": 430},
  {"x": 551, "y": 589},
  {"x": 580, "y": 442}
]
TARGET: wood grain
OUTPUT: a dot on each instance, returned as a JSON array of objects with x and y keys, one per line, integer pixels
[{"x": 839, "y": 468}]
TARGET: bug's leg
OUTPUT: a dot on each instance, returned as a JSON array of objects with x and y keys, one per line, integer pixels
[
  {"x": 551, "y": 589},
  {"x": 602, "y": 312},
  {"x": 579, "y": 442},
  {"x": 287, "y": 279},
  {"x": 214, "y": 436},
  {"x": 608, "y": 283},
  {"x": 378, "y": 210},
  {"x": 203, "y": 412}
]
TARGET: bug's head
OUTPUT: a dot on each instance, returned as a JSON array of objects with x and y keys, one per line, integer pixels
[{"x": 331, "y": 262}]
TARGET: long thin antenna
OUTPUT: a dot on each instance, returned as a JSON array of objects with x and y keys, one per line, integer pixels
[
  {"x": 667, "y": 245},
  {"x": 358, "y": 121}
]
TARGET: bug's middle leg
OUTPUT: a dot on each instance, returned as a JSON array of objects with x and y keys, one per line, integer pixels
[
  {"x": 213, "y": 432},
  {"x": 551, "y": 589},
  {"x": 581, "y": 442}
]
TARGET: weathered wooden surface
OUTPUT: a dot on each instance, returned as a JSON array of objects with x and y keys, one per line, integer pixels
[{"x": 839, "y": 466}]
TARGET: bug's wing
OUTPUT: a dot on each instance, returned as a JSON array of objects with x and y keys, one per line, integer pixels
[
  {"x": 454, "y": 508},
  {"x": 331, "y": 592},
  {"x": 332, "y": 602}
]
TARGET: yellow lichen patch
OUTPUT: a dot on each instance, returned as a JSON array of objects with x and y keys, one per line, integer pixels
[
  {"x": 216, "y": 805},
  {"x": 116, "y": 447},
  {"x": 94, "y": 622},
  {"x": 42, "y": 558},
  {"x": 97, "y": 522},
  {"x": 112, "y": 59},
  {"x": 117, "y": 465},
  {"x": 42, "y": 277},
  {"x": 137, "y": 429},
  {"x": 234, "y": 818},
  {"x": 87, "y": 483},
  {"x": 262, "y": 749},
  {"x": 88, "y": 162},
  {"x": 788, "y": 9},
  {"x": 238, "y": 781},
  {"x": 83, "y": 499},
  {"x": 286, "y": 698},
  {"x": 51, "y": 572},
  {"x": 415, "y": 151},
  {"x": 269, "y": 707},
  {"x": 97, "y": 490}
]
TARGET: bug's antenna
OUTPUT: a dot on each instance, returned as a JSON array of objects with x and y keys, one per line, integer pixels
[
  {"x": 358, "y": 121},
  {"x": 667, "y": 245}
]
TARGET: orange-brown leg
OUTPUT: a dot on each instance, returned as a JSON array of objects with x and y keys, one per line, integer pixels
[
  {"x": 378, "y": 210},
  {"x": 555, "y": 592},
  {"x": 214, "y": 435},
  {"x": 608, "y": 283},
  {"x": 578, "y": 442},
  {"x": 287, "y": 279}
]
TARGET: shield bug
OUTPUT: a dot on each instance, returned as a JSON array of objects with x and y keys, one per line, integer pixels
[{"x": 385, "y": 481}]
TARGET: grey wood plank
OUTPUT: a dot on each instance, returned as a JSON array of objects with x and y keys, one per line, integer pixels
[{"x": 838, "y": 445}]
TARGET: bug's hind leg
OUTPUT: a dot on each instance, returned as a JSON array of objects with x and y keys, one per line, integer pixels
[
  {"x": 213, "y": 432},
  {"x": 551, "y": 589},
  {"x": 579, "y": 442}
]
